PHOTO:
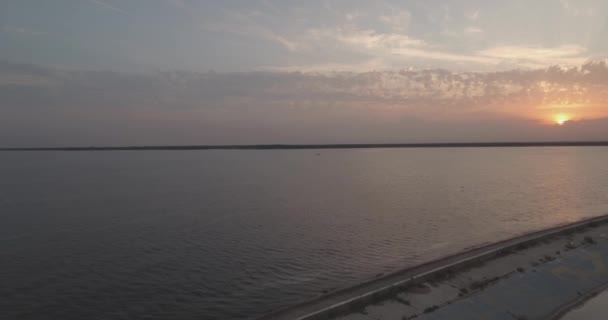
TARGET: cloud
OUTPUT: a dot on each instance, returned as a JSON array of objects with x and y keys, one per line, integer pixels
[
  {"x": 181, "y": 4},
  {"x": 390, "y": 44},
  {"x": 106, "y": 5},
  {"x": 577, "y": 9},
  {"x": 398, "y": 21},
  {"x": 24, "y": 80},
  {"x": 388, "y": 35},
  {"x": 367, "y": 39},
  {"x": 244, "y": 25},
  {"x": 54, "y": 106},
  {"x": 473, "y": 15},
  {"x": 473, "y": 30},
  {"x": 23, "y": 31},
  {"x": 387, "y": 46},
  {"x": 583, "y": 85},
  {"x": 538, "y": 56},
  {"x": 385, "y": 50}
]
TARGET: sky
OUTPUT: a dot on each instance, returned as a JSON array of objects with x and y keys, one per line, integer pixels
[{"x": 150, "y": 72}]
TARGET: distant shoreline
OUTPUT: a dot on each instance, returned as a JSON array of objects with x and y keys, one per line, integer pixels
[{"x": 322, "y": 146}]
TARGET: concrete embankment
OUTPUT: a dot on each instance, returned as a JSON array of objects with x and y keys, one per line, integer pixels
[{"x": 535, "y": 276}]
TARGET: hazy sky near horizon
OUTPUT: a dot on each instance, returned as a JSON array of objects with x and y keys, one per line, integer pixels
[{"x": 215, "y": 72}]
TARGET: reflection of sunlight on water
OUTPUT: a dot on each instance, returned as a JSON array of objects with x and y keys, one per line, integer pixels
[
  {"x": 439, "y": 245},
  {"x": 563, "y": 190}
]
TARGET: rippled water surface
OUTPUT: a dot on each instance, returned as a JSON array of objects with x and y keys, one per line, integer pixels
[{"x": 235, "y": 234}]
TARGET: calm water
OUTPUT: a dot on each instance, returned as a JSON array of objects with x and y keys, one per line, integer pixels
[{"x": 234, "y": 234}]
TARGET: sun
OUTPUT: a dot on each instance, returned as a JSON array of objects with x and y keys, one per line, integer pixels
[{"x": 561, "y": 119}]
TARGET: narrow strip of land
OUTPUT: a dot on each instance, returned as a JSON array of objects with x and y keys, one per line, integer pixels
[
  {"x": 527, "y": 269},
  {"x": 322, "y": 146}
]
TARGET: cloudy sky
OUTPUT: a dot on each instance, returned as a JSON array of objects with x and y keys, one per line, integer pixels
[{"x": 124, "y": 72}]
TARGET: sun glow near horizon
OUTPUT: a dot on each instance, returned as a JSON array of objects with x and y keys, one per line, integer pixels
[{"x": 561, "y": 119}]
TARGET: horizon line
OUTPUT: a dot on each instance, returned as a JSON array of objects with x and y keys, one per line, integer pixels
[{"x": 318, "y": 146}]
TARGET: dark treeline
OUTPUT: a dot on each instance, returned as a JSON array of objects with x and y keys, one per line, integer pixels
[{"x": 322, "y": 146}]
